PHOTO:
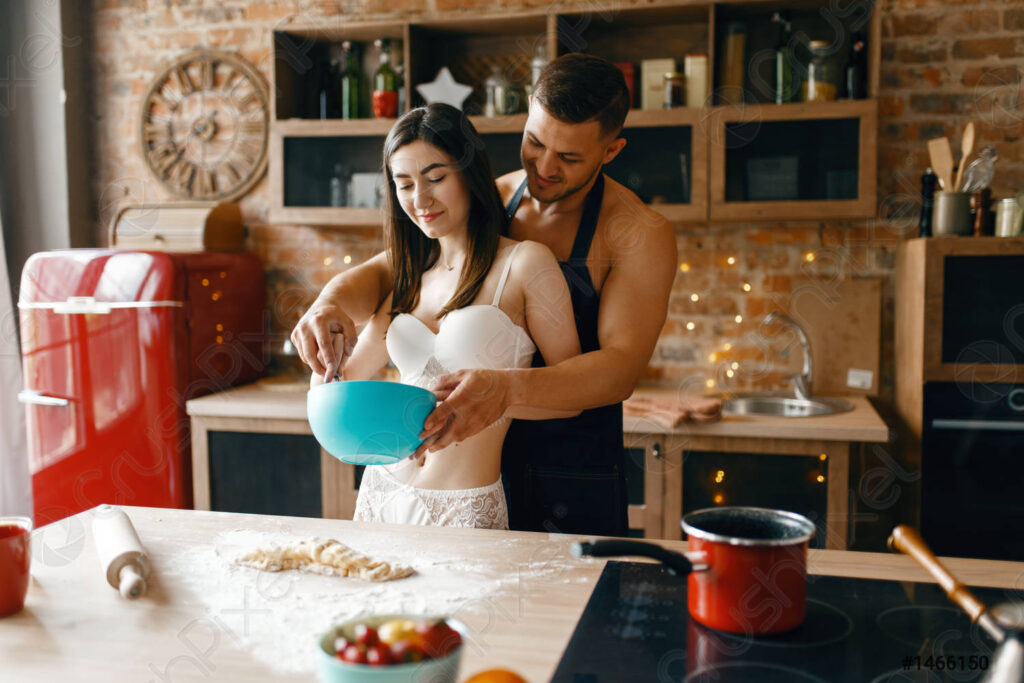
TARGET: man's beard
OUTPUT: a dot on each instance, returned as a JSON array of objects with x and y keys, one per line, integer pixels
[{"x": 567, "y": 193}]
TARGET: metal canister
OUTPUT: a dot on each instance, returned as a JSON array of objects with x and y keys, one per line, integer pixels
[{"x": 1009, "y": 215}]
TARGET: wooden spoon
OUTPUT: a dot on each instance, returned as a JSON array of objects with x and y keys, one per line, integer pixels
[
  {"x": 942, "y": 161},
  {"x": 966, "y": 149}
]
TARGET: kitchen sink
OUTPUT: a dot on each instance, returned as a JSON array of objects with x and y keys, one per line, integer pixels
[{"x": 777, "y": 405}]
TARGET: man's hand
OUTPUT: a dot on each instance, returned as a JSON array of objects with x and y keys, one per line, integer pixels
[
  {"x": 469, "y": 401},
  {"x": 325, "y": 338}
]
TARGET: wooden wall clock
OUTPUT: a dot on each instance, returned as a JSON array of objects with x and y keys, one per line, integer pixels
[{"x": 204, "y": 126}]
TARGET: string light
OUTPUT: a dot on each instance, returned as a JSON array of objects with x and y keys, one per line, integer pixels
[
  {"x": 823, "y": 457},
  {"x": 729, "y": 373},
  {"x": 685, "y": 267},
  {"x": 205, "y": 282},
  {"x": 691, "y": 325},
  {"x": 809, "y": 256},
  {"x": 712, "y": 357},
  {"x": 220, "y": 328},
  {"x": 328, "y": 261},
  {"x": 220, "y": 339},
  {"x": 719, "y": 499},
  {"x": 719, "y": 476},
  {"x": 347, "y": 259},
  {"x": 223, "y": 274},
  {"x": 821, "y": 478},
  {"x": 746, "y": 287},
  {"x": 727, "y": 346},
  {"x": 731, "y": 260},
  {"x": 710, "y": 384},
  {"x": 739, "y": 318},
  {"x": 695, "y": 297},
  {"x": 217, "y": 295},
  {"x": 735, "y": 365}
]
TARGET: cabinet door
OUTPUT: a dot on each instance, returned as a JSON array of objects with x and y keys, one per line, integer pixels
[
  {"x": 644, "y": 483},
  {"x": 793, "y": 161}
]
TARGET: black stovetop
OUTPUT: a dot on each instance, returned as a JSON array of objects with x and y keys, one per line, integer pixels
[{"x": 636, "y": 628}]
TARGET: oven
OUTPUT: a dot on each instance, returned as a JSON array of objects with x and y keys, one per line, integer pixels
[{"x": 972, "y": 469}]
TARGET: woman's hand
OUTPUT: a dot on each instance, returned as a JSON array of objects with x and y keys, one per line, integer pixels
[{"x": 325, "y": 338}]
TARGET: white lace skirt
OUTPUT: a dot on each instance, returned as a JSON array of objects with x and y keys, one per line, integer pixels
[{"x": 383, "y": 498}]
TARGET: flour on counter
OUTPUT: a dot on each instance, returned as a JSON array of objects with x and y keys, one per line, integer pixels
[{"x": 277, "y": 616}]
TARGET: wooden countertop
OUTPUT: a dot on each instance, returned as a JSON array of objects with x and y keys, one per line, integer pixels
[
  {"x": 204, "y": 619},
  {"x": 275, "y": 400}
]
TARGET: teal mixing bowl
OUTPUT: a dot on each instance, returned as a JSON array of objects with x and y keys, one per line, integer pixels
[
  {"x": 333, "y": 670},
  {"x": 368, "y": 423}
]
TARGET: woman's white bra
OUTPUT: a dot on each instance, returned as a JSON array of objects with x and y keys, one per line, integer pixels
[{"x": 475, "y": 336}]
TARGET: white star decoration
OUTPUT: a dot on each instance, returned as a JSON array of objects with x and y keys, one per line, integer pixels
[{"x": 444, "y": 89}]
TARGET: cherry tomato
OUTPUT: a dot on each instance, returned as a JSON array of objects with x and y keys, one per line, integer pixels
[
  {"x": 340, "y": 643},
  {"x": 439, "y": 638},
  {"x": 405, "y": 651},
  {"x": 353, "y": 654},
  {"x": 366, "y": 635},
  {"x": 378, "y": 655}
]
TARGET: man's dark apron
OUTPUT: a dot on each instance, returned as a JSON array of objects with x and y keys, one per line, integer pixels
[{"x": 568, "y": 475}]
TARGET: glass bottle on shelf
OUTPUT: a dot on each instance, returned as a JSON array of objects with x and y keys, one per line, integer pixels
[
  {"x": 733, "y": 64},
  {"x": 350, "y": 85},
  {"x": 385, "y": 84},
  {"x": 324, "y": 98},
  {"x": 822, "y": 79},
  {"x": 537, "y": 64},
  {"x": 855, "y": 77},
  {"x": 339, "y": 185},
  {"x": 496, "y": 93},
  {"x": 782, "y": 63}
]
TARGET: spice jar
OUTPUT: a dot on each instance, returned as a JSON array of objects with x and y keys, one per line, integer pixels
[
  {"x": 674, "y": 94},
  {"x": 822, "y": 74}
]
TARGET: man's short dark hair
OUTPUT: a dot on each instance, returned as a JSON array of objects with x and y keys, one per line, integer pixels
[{"x": 576, "y": 88}]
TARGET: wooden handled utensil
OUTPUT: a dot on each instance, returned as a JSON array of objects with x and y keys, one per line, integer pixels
[
  {"x": 942, "y": 161},
  {"x": 908, "y": 541},
  {"x": 966, "y": 149}
]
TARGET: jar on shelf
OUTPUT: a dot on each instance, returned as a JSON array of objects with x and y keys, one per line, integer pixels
[
  {"x": 822, "y": 81},
  {"x": 675, "y": 96}
]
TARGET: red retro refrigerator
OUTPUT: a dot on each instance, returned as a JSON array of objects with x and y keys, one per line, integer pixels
[{"x": 113, "y": 343}]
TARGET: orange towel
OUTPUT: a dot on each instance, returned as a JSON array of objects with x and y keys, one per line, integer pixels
[{"x": 672, "y": 412}]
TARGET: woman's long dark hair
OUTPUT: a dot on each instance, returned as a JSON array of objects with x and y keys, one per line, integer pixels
[{"x": 410, "y": 251}]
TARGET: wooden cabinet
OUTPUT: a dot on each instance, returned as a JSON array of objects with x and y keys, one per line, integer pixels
[
  {"x": 829, "y": 460},
  {"x": 755, "y": 161}
]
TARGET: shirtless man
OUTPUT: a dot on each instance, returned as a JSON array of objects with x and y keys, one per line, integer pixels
[{"x": 619, "y": 258}]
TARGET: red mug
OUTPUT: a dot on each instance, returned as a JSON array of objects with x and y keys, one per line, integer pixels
[
  {"x": 746, "y": 566},
  {"x": 15, "y": 556}
]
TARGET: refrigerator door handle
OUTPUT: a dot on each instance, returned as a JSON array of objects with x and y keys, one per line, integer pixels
[
  {"x": 38, "y": 398},
  {"x": 87, "y": 304}
]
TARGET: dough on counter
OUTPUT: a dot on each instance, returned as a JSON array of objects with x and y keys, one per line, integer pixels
[{"x": 323, "y": 556}]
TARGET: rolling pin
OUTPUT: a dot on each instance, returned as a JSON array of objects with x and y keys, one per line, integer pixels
[{"x": 121, "y": 554}]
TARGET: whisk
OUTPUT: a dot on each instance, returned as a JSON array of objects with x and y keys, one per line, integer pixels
[{"x": 978, "y": 174}]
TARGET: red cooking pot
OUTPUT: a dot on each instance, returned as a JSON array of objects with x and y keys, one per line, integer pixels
[{"x": 746, "y": 566}]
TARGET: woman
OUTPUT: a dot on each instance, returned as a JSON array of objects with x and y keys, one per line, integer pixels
[{"x": 464, "y": 297}]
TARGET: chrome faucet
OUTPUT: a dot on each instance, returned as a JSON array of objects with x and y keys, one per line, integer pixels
[{"x": 802, "y": 381}]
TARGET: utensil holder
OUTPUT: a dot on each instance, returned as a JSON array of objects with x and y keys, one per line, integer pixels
[{"x": 952, "y": 214}]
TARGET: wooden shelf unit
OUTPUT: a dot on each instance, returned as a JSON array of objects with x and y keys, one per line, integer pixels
[{"x": 616, "y": 33}]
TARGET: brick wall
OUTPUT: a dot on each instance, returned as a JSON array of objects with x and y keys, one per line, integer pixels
[{"x": 943, "y": 63}]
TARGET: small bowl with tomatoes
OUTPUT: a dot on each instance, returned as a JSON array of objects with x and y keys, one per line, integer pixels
[{"x": 391, "y": 649}]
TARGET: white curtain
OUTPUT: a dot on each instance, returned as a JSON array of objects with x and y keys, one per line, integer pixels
[{"x": 15, "y": 488}]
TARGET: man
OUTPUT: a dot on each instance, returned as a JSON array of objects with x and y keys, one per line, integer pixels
[{"x": 619, "y": 258}]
